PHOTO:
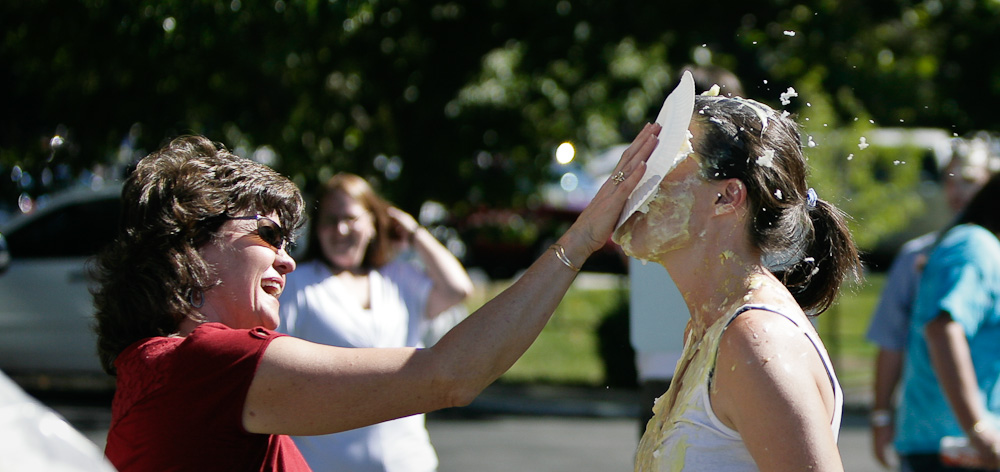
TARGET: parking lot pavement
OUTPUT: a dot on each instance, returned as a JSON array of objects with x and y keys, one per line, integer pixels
[
  {"x": 529, "y": 443},
  {"x": 550, "y": 430},
  {"x": 556, "y": 429},
  {"x": 557, "y": 444},
  {"x": 495, "y": 443}
]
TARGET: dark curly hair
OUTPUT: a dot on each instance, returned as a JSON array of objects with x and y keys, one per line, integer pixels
[
  {"x": 172, "y": 204},
  {"x": 804, "y": 240}
]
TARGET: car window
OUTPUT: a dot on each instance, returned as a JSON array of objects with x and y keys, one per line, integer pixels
[{"x": 76, "y": 230}]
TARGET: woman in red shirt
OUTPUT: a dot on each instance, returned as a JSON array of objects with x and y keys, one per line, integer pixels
[{"x": 188, "y": 299}]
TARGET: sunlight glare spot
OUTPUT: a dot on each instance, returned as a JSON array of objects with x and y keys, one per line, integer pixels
[{"x": 565, "y": 153}]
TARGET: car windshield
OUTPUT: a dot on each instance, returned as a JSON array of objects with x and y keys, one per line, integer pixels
[{"x": 78, "y": 230}]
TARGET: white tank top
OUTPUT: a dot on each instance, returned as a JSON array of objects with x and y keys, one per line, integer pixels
[{"x": 690, "y": 436}]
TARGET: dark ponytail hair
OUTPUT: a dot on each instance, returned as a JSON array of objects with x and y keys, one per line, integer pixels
[
  {"x": 803, "y": 240},
  {"x": 830, "y": 257}
]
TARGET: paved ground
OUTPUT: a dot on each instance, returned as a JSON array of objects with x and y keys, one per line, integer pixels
[
  {"x": 526, "y": 429},
  {"x": 555, "y": 429},
  {"x": 573, "y": 444}
]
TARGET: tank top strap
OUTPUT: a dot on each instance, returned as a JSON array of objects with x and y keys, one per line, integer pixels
[{"x": 838, "y": 393}]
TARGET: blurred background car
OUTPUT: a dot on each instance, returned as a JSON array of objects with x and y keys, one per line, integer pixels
[
  {"x": 46, "y": 311},
  {"x": 504, "y": 241}
]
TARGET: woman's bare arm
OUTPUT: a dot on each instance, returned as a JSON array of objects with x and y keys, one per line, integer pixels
[
  {"x": 450, "y": 283},
  {"x": 952, "y": 362},
  {"x": 774, "y": 390},
  {"x": 305, "y": 388}
]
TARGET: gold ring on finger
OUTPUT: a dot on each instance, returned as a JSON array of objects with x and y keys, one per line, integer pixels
[{"x": 618, "y": 178}]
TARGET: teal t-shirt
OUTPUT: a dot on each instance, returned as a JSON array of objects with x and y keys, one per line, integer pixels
[{"x": 962, "y": 278}]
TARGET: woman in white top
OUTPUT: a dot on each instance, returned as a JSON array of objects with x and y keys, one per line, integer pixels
[
  {"x": 352, "y": 291},
  {"x": 753, "y": 251}
]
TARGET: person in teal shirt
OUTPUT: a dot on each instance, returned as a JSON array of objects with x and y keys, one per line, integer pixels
[
  {"x": 973, "y": 160},
  {"x": 951, "y": 378}
]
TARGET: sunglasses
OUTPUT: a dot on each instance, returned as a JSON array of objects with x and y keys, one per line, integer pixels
[{"x": 270, "y": 232}]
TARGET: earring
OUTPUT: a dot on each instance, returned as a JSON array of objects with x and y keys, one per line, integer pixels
[{"x": 200, "y": 298}]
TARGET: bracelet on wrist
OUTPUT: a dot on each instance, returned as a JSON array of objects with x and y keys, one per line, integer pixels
[
  {"x": 880, "y": 418},
  {"x": 561, "y": 255}
]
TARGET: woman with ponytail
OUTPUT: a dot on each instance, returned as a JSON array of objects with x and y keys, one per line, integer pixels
[{"x": 754, "y": 251}]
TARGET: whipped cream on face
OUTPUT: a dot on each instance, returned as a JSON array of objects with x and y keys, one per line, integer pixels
[
  {"x": 664, "y": 226},
  {"x": 685, "y": 151},
  {"x": 622, "y": 235}
]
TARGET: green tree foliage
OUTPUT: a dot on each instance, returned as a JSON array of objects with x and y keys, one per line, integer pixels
[
  {"x": 872, "y": 180},
  {"x": 464, "y": 101}
]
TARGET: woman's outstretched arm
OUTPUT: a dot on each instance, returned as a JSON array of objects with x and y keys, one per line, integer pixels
[{"x": 303, "y": 388}]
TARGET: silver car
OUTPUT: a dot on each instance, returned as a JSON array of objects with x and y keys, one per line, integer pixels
[{"x": 46, "y": 310}]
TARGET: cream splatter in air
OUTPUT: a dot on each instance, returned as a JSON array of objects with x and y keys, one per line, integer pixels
[{"x": 786, "y": 97}]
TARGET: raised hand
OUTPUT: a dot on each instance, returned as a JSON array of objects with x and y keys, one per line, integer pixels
[{"x": 594, "y": 225}]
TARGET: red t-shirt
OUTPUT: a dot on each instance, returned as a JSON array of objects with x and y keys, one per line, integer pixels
[{"x": 179, "y": 405}]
